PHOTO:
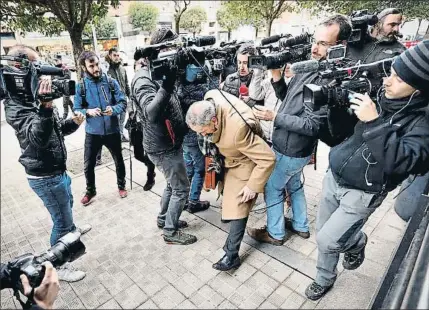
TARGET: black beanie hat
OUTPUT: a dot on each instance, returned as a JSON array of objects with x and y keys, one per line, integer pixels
[{"x": 412, "y": 66}]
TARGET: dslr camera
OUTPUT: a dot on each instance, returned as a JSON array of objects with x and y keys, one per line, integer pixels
[
  {"x": 178, "y": 55},
  {"x": 67, "y": 249},
  {"x": 22, "y": 80}
]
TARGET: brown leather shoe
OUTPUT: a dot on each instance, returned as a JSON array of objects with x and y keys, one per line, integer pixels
[
  {"x": 289, "y": 226},
  {"x": 262, "y": 235}
]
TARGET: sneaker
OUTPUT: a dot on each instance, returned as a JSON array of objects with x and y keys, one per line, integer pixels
[
  {"x": 353, "y": 261},
  {"x": 180, "y": 224},
  {"x": 84, "y": 228},
  {"x": 181, "y": 238},
  {"x": 150, "y": 182},
  {"x": 123, "y": 193},
  {"x": 69, "y": 274},
  {"x": 262, "y": 235},
  {"x": 86, "y": 200},
  {"x": 315, "y": 291},
  {"x": 289, "y": 226},
  {"x": 197, "y": 206}
]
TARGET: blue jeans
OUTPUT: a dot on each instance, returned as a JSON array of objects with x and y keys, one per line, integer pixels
[
  {"x": 195, "y": 170},
  {"x": 286, "y": 176},
  {"x": 57, "y": 197}
]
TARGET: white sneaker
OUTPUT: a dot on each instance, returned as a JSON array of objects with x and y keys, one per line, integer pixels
[{"x": 69, "y": 274}]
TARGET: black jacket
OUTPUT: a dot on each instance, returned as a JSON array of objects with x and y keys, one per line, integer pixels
[
  {"x": 382, "y": 153},
  {"x": 160, "y": 112},
  {"x": 40, "y": 133},
  {"x": 118, "y": 72},
  {"x": 296, "y": 126},
  {"x": 373, "y": 50},
  {"x": 232, "y": 85}
]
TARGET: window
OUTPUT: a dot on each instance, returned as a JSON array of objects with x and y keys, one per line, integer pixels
[{"x": 212, "y": 24}]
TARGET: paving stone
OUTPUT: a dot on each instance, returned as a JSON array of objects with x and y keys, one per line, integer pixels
[
  {"x": 149, "y": 304},
  {"x": 279, "y": 296},
  {"x": 293, "y": 301},
  {"x": 111, "y": 304},
  {"x": 131, "y": 297}
]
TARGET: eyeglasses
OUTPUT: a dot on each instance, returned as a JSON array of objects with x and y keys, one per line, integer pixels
[{"x": 323, "y": 43}]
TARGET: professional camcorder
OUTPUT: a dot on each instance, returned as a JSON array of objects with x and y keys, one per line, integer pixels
[
  {"x": 291, "y": 49},
  {"x": 347, "y": 81},
  {"x": 360, "y": 21},
  {"x": 22, "y": 80},
  {"x": 67, "y": 249},
  {"x": 174, "y": 54}
]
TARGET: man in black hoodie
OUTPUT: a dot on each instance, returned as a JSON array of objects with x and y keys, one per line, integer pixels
[
  {"x": 388, "y": 144},
  {"x": 164, "y": 128}
]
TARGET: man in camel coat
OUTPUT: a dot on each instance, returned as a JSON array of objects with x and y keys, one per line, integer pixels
[{"x": 248, "y": 161}]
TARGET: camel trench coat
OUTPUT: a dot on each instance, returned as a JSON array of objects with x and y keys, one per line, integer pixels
[{"x": 248, "y": 158}]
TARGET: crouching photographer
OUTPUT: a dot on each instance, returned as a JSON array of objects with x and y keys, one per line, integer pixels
[
  {"x": 36, "y": 276},
  {"x": 30, "y": 110},
  {"x": 164, "y": 127},
  {"x": 389, "y": 142}
]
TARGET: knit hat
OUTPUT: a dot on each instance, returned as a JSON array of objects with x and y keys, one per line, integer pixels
[{"x": 412, "y": 66}]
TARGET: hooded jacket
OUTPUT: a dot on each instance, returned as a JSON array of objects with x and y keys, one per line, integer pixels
[
  {"x": 382, "y": 153},
  {"x": 118, "y": 72}
]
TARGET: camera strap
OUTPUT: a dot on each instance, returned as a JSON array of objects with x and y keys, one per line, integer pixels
[{"x": 30, "y": 299}]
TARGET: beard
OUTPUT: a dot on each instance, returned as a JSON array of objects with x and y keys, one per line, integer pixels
[{"x": 94, "y": 76}]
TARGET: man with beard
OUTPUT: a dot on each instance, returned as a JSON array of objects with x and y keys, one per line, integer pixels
[
  {"x": 382, "y": 40},
  {"x": 100, "y": 98},
  {"x": 67, "y": 75}
]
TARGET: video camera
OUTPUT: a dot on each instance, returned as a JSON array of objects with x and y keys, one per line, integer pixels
[
  {"x": 347, "y": 81},
  {"x": 360, "y": 21},
  {"x": 67, "y": 249},
  {"x": 22, "y": 80},
  {"x": 178, "y": 54},
  {"x": 291, "y": 49}
]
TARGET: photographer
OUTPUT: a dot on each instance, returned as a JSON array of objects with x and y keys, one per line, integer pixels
[
  {"x": 100, "y": 98},
  {"x": 296, "y": 130},
  {"x": 382, "y": 40},
  {"x": 40, "y": 134},
  {"x": 192, "y": 88},
  {"x": 66, "y": 99},
  {"x": 387, "y": 145},
  {"x": 164, "y": 128},
  {"x": 44, "y": 295}
]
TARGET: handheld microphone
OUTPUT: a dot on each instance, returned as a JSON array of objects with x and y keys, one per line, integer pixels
[
  {"x": 244, "y": 91},
  {"x": 270, "y": 40}
]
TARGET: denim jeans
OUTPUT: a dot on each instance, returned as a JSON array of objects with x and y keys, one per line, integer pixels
[
  {"x": 195, "y": 169},
  {"x": 57, "y": 197},
  {"x": 286, "y": 176},
  {"x": 177, "y": 190},
  {"x": 93, "y": 145}
]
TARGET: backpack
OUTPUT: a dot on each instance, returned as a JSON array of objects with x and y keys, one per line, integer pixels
[{"x": 83, "y": 91}]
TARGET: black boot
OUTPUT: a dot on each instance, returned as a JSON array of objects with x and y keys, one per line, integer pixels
[
  {"x": 315, "y": 291},
  {"x": 225, "y": 263},
  {"x": 353, "y": 261},
  {"x": 197, "y": 206},
  {"x": 150, "y": 181}
]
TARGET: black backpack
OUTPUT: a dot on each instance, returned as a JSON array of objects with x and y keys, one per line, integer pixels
[{"x": 83, "y": 91}]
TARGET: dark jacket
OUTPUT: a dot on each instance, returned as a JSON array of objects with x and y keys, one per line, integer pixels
[
  {"x": 373, "y": 50},
  {"x": 296, "y": 126},
  {"x": 382, "y": 153},
  {"x": 99, "y": 95},
  {"x": 188, "y": 94},
  {"x": 161, "y": 113},
  {"x": 232, "y": 85},
  {"x": 118, "y": 72},
  {"x": 40, "y": 133}
]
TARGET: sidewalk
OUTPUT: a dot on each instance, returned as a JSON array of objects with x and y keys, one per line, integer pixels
[{"x": 128, "y": 264}]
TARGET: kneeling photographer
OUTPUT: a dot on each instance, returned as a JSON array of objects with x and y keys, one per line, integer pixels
[
  {"x": 388, "y": 143},
  {"x": 164, "y": 127},
  {"x": 30, "y": 110}
]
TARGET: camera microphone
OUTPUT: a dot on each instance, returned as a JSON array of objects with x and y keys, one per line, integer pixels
[
  {"x": 305, "y": 66},
  {"x": 270, "y": 40},
  {"x": 205, "y": 41}
]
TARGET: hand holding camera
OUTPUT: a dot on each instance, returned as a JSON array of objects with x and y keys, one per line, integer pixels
[
  {"x": 45, "y": 294},
  {"x": 363, "y": 107},
  {"x": 45, "y": 88}
]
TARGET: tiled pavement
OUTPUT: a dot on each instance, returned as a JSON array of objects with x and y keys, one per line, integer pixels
[{"x": 129, "y": 266}]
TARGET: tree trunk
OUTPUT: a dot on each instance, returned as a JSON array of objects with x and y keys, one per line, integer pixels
[
  {"x": 177, "y": 25},
  {"x": 229, "y": 35},
  {"x": 76, "y": 39},
  {"x": 418, "y": 28},
  {"x": 256, "y": 33},
  {"x": 269, "y": 24}
]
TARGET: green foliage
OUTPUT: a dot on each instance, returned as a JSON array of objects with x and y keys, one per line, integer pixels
[
  {"x": 104, "y": 28},
  {"x": 412, "y": 9},
  {"x": 258, "y": 13},
  {"x": 144, "y": 16},
  {"x": 226, "y": 19},
  {"x": 193, "y": 19}
]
